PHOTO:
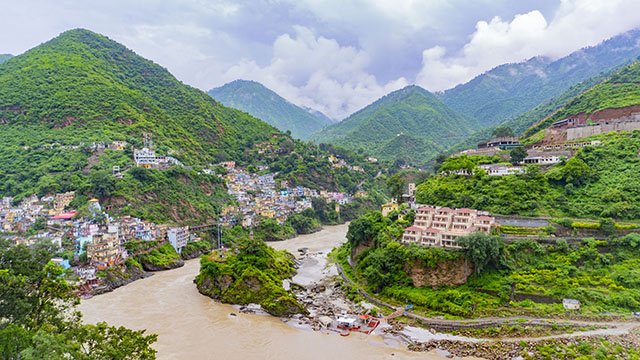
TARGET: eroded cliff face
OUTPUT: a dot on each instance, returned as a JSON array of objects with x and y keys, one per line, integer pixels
[
  {"x": 445, "y": 273},
  {"x": 355, "y": 252}
]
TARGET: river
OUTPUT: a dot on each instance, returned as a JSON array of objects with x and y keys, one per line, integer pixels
[{"x": 192, "y": 326}]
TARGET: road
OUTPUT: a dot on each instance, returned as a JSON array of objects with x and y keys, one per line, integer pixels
[{"x": 608, "y": 327}]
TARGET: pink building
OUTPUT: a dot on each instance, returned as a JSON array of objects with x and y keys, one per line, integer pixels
[{"x": 441, "y": 226}]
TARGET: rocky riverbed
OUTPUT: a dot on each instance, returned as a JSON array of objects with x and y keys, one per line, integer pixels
[{"x": 318, "y": 286}]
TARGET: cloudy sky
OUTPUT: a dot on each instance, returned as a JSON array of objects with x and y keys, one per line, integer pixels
[{"x": 335, "y": 56}]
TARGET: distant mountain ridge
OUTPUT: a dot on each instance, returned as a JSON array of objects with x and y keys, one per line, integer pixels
[
  {"x": 263, "y": 103},
  {"x": 513, "y": 89},
  {"x": 5, "y": 57},
  {"x": 409, "y": 124}
]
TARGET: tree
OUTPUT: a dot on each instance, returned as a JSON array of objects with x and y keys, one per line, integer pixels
[
  {"x": 517, "y": 155},
  {"x": 502, "y": 131},
  {"x": 39, "y": 320},
  {"x": 102, "y": 184},
  {"x": 365, "y": 228},
  {"x": 482, "y": 249},
  {"x": 439, "y": 160},
  {"x": 608, "y": 226},
  {"x": 396, "y": 185},
  {"x": 575, "y": 171}
]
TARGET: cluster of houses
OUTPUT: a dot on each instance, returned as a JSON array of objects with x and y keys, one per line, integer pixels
[
  {"x": 22, "y": 217},
  {"x": 94, "y": 146},
  {"x": 260, "y": 196},
  {"x": 97, "y": 237},
  {"x": 442, "y": 226},
  {"x": 582, "y": 125}
]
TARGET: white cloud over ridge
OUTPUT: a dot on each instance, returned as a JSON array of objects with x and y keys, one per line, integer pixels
[
  {"x": 318, "y": 73},
  {"x": 576, "y": 24}
]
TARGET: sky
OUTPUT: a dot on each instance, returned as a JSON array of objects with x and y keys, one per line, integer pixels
[{"x": 335, "y": 56}]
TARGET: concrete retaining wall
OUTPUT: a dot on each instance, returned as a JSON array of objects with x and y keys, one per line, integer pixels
[
  {"x": 586, "y": 131},
  {"x": 521, "y": 221}
]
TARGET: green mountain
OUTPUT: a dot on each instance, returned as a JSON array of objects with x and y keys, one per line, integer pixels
[
  {"x": 5, "y": 57},
  {"x": 512, "y": 89},
  {"x": 618, "y": 90},
  {"x": 522, "y": 122},
  {"x": 409, "y": 124},
  {"x": 81, "y": 88},
  {"x": 259, "y": 101},
  {"x": 597, "y": 182}
]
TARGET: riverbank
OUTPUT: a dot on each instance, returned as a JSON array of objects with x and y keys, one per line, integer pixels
[{"x": 190, "y": 325}]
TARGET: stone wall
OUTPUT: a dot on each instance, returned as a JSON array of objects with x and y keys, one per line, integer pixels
[
  {"x": 521, "y": 221},
  {"x": 586, "y": 131}
]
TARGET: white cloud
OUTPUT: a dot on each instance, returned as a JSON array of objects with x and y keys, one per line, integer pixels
[
  {"x": 576, "y": 24},
  {"x": 317, "y": 72}
]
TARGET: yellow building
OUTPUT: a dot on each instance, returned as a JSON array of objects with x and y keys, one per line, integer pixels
[
  {"x": 268, "y": 214},
  {"x": 389, "y": 207}
]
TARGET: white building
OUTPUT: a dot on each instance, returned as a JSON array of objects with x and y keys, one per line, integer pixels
[
  {"x": 537, "y": 157},
  {"x": 145, "y": 157},
  {"x": 571, "y": 304},
  {"x": 501, "y": 170},
  {"x": 178, "y": 237},
  {"x": 543, "y": 159}
]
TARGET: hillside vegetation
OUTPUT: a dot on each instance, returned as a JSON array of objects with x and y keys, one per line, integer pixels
[
  {"x": 59, "y": 98},
  {"x": 253, "y": 274},
  {"x": 522, "y": 277},
  {"x": 264, "y": 104},
  {"x": 619, "y": 90},
  {"x": 600, "y": 181},
  {"x": 510, "y": 90},
  {"x": 409, "y": 124}
]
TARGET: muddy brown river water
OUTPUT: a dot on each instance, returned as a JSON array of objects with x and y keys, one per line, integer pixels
[{"x": 192, "y": 326}]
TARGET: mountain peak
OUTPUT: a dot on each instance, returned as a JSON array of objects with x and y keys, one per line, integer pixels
[
  {"x": 410, "y": 123},
  {"x": 258, "y": 100}
]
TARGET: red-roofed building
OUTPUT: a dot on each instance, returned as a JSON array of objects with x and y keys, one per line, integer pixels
[{"x": 64, "y": 216}]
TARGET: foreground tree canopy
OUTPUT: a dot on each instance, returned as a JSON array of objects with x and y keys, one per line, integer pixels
[{"x": 38, "y": 319}]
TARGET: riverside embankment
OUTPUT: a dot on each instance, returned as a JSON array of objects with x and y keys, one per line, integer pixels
[{"x": 192, "y": 326}]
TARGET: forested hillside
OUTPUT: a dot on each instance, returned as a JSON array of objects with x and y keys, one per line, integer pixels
[
  {"x": 259, "y": 101},
  {"x": 620, "y": 89},
  {"x": 599, "y": 181},
  {"x": 59, "y": 98},
  {"x": 5, "y": 57},
  {"x": 512, "y": 89},
  {"x": 409, "y": 124}
]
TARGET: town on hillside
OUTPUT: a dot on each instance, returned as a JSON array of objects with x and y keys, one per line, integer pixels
[{"x": 95, "y": 241}]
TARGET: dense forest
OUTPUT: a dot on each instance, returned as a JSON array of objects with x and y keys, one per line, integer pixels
[
  {"x": 504, "y": 93},
  {"x": 409, "y": 124},
  {"x": 265, "y": 104},
  {"x": 618, "y": 90}
]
